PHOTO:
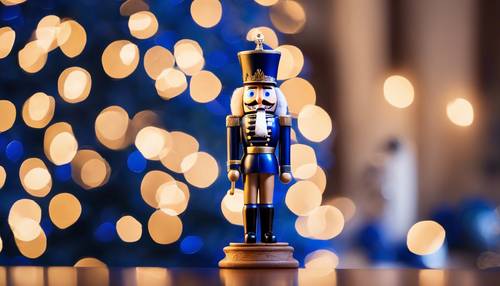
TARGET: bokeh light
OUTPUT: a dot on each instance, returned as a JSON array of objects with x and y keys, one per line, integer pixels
[
  {"x": 325, "y": 222},
  {"x": 267, "y": 2},
  {"x": 200, "y": 169},
  {"x": 129, "y": 229},
  {"x": 156, "y": 60},
  {"x": 303, "y": 197},
  {"x": 71, "y": 38},
  {"x": 322, "y": 260},
  {"x": 46, "y": 32},
  {"x": 59, "y": 143},
  {"x": 120, "y": 59},
  {"x": 12, "y": 2},
  {"x": 64, "y": 210},
  {"x": 130, "y": 7},
  {"x": 398, "y": 91},
  {"x": 3, "y": 177},
  {"x": 32, "y": 57},
  {"x": 33, "y": 248},
  {"x": 89, "y": 262},
  {"x": 7, "y": 115},
  {"x": 170, "y": 83},
  {"x": 159, "y": 222},
  {"x": 173, "y": 197},
  {"x": 89, "y": 169},
  {"x": 204, "y": 86},
  {"x": 7, "y": 38},
  {"x": 288, "y": 16},
  {"x": 425, "y": 237},
  {"x": 314, "y": 123},
  {"x": 183, "y": 145},
  {"x": 143, "y": 24},
  {"x": 74, "y": 84},
  {"x": 232, "y": 207},
  {"x": 150, "y": 185},
  {"x": 291, "y": 62},
  {"x": 35, "y": 177},
  {"x": 189, "y": 56},
  {"x": 303, "y": 159},
  {"x": 346, "y": 206},
  {"x": 299, "y": 93},
  {"x": 206, "y": 13},
  {"x": 460, "y": 112},
  {"x": 24, "y": 221},
  {"x": 111, "y": 126},
  {"x": 319, "y": 179},
  {"x": 154, "y": 143},
  {"x": 38, "y": 110},
  {"x": 270, "y": 37}
]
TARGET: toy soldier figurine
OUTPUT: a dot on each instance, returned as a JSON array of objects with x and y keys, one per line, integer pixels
[{"x": 260, "y": 123}]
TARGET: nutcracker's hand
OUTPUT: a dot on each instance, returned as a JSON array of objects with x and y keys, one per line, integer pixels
[
  {"x": 285, "y": 177},
  {"x": 233, "y": 175}
]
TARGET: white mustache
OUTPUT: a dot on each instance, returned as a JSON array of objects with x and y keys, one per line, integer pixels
[{"x": 261, "y": 124}]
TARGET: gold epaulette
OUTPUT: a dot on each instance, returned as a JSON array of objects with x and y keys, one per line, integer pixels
[{"x": 232, "y": 120}]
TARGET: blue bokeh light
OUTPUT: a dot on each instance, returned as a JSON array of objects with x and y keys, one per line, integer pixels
[
  {"x": 105, "y": 232},
  {"x": 63, "y": 172},
  {"x": 14, "y": 150},
  {"x": 136, "y": 162},
  {"x": 191, "y": 244}
]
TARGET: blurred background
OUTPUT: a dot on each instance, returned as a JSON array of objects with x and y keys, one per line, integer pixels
[{"x": 112, "y": 131}]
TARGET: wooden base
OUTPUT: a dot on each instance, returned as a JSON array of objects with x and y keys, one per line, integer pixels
[{"x": 259, "y": 255}]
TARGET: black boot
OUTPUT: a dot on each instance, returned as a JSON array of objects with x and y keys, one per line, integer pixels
[
  {"x": 266, "y": 223},
  {"x": 250, "y": 222}
]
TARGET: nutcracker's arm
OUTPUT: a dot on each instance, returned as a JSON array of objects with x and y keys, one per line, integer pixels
[
  {"x": 233, "y": 142},
  {"x": 285, "y": 125}
]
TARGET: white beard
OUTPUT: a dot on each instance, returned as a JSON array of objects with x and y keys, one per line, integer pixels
[{"x": 261, "y": 124}]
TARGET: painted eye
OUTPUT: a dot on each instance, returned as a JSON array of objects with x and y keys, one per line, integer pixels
[
  {"x": 250, "y": 93},
  {"x": 267, "y": 94}
]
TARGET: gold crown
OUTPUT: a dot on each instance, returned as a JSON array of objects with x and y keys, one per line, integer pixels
[{"x": 259, "y": 76}]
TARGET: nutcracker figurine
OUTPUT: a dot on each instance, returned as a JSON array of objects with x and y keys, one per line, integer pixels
[{"x": 260, "y": 123}]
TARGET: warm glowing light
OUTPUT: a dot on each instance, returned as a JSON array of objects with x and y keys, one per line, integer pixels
[
  {"x": 129, "y": 229},
  {"x": 189, "y": 56},
  {"x": 303, "y": 197},
  {"x": 3, "y": 177},
  {"x": 156, "y": 60},
  {"x": 154, "y": 143},
  {"x": 288, "y": 16},
  {"x": 319, "y": 179},
  {"x": 24, "y": 208},
  {"x": 7, "y": 38},
  {"x": 7, "y": 115},
  {"x": 314, "y": 123},
  {"x": 38, "y": 110},
  {"x": 26, "y": 229},
  {"x": 59, "y": 143},
  {"x": 159, "y": 222},
  {"x": 89, "y": 262},
  {"x": 291, "y": 62},
  {"x": 232, "y": 207},
  {"x": 34, "y": 248},
  {"x": 32, "y": 57},
  {"x": 12, "y": 2},
  {"x": 173, "y": 197},
  {"x": 89, "y": 169},
  {"x": 204, "y": 86},
  {"x": 35, "y": 177},
  {"x": 170, "y": 83},
  {"x": 267, "y": 2},
  {"x": 64, "y": 210},
  {"x": 206, "y": 13},
  {"x": 130, "y": 7},
  {"x": 346, "y": 206},
  {"x": 301, "y": 226},
  {"x": 460, "y": 112},
  {"x": 398, "y": 91},
  {"x": 24, "y": 220},
  {"x": 120, "y": 59},
  {"x": 299, "y": 93},
  {"x": 111, "y": 126},
  {"x": 74, "y": 84},
  {"x": 46, "y": 32},
  {"x": 183, "y": 145},
  {"x": 200, "y": 169},
  {"x": 425, "y": 237},
  {"x": 143, "y": 24},
  {"x": 71, "y": 38},
  {"x": 325, "y": 222},
  {"x": 322, "y": 260},
  {"x": 303, "y": 161},
  {"x": 270, "y": 37},
  {"x": 150, "y": 185},
  {"x": 1, "y": 244}
]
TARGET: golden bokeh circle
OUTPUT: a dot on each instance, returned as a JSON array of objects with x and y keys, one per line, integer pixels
[
  {"x": 150, "y": 184},
  {"x": 120, "y": 59},
  {"x": 143, "y": 24},
  {"x": 200, "y": 169},
  {"x": 460, "y": 112},
  {"x": 323, "y": 261},
  {"x": 154, "y": 143},
  {"x": 32, "y": 57},
  {"x": 425, "y": 237},
  {"x": 34, "y": 248},
  {"x": 267, "y": 2},
  {"x": 303, "y": 161},
  {"x": 173, "y": 197},
  {"x": 112, "y": 126},
  {"x": 7, "y": 38},
  {"x": 232, "y": 207},
  {"x": 170, "y": 83},
  {"x": 303, "y": 197},
  {"x": 299, "y": 93},
  {"x": 89, "y": 169},
  {"x": 314, "y": 123},
  {"x": 7, "y": 115},
  {"x": 59, "y": 143},
  {"x": 71, "y": 38},
  {"x": 291, "y": 62},
  {"x": 325, "y": 222},
  {"x": 206, "y": 13},
  {"x": 189, "y": 56},
  {"x": 346, "y": 206},
  {"x": 46, "y": 32},
  {"x": 398, "y": 91},
  {"x": 129, "y": 229},
  {"x": 204, "y": 86},
  {"x": 74, "y": 84},
  {"x": 89, "y": 262},
  {"x": 38, "y": 110},
  {"x": 159, "y": 222},
  {"x": 3, "y": 177},
  {"x": 288, "y": 16},
  {"x": 64, "y": 210},
  {"x": 35, "y": 177},
  {"x": 183, "y": 145},
  {"x": 156, "y": 60},
  {"x": 319, "y": 178},
  {"x": 24, "y": 208}
]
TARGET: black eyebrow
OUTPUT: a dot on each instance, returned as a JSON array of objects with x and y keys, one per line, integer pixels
[
  {"x": 267, "y": 87},
  {"x": 253, "y": 86}
]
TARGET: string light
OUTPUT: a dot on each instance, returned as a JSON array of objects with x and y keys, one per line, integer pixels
[
  {"x": 34, "y": 248},
  {"x": 7, "y": 38},
  {"x": 460, "y": 112}
]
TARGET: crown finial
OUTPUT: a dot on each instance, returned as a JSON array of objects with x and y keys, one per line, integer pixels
[{"x": 259, "y": 41}]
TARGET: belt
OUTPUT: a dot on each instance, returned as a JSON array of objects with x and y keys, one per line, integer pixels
[{"x": 260, "y": 150}]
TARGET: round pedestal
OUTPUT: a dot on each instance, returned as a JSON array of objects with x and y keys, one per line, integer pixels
[{"x": 258, "y": 255}]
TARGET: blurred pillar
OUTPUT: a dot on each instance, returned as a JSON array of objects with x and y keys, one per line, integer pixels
[{"x": 440, "y": 39}]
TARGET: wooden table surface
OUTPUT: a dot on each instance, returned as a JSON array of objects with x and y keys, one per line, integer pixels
[{"x": 140, "y": 276}]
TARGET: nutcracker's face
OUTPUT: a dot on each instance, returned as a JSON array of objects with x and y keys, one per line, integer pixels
[{"x": 259, "y": 97}]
